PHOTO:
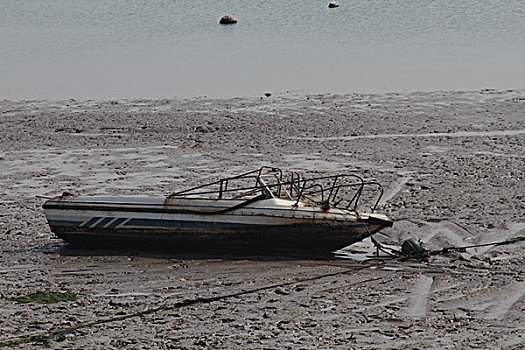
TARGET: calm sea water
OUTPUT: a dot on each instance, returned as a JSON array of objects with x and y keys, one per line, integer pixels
[{"x": 165, "y": 48}]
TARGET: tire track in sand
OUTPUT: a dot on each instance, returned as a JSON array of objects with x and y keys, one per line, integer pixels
[
  {"x": 496, "y": 304},
  {"x": 419, "y": 298}
]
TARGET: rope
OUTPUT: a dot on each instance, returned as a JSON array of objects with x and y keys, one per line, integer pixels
[
  {"x": 464, "y": 248},
  {"x": 60, "y": 334},
  {"x": 423, "y": 254},
  {"x": 377, "y": 244}
]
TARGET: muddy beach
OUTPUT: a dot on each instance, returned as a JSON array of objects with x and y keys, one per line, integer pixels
[{"x": 452, "y": 164}]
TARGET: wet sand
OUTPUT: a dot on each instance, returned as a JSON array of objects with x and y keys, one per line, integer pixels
[{"x": 452, "y": 164}]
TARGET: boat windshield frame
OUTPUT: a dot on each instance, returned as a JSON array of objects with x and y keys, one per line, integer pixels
[{"x": 322, "y": 191}]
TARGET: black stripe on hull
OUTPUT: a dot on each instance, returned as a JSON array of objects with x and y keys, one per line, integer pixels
[{"x": 264, "y": 239}]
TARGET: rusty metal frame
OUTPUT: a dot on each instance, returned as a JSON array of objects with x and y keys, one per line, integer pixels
[{"x": 300, "y": 190}]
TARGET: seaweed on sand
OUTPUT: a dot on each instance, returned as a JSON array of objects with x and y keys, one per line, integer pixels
[{"x": 45, "y": 297}]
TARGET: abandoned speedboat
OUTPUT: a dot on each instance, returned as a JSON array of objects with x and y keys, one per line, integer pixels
[{"x": 257, "y": 210}]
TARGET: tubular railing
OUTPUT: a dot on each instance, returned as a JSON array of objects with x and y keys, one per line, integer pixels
[{"x": 269, "y": 180}]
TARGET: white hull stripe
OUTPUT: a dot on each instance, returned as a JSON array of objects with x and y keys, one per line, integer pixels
[{"x": 121, "y": 206}]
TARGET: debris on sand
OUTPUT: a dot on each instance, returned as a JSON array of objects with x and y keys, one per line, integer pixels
[{"x": 371, "y": 249}]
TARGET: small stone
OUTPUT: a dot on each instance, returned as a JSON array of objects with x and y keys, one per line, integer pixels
[
  {"x": 333, "y": 4},
  {"x": 228, "y": 19},
  {"x": 281, "y": 291},
  {"x": 200, "y": 342},
  {"x": 202, "y": 129}
]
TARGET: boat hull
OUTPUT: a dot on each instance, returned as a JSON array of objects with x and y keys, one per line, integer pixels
[
  {"x": 189, "y": 225},
  {"x": 263, "y": 238}
]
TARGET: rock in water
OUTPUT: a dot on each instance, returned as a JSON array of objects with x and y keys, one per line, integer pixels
[
  {"x": 228, "y": 19},
  {"x": 333, "y": 4}
]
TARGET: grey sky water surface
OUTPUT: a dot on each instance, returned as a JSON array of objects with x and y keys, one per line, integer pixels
[{"x": 62, "y": 49}]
